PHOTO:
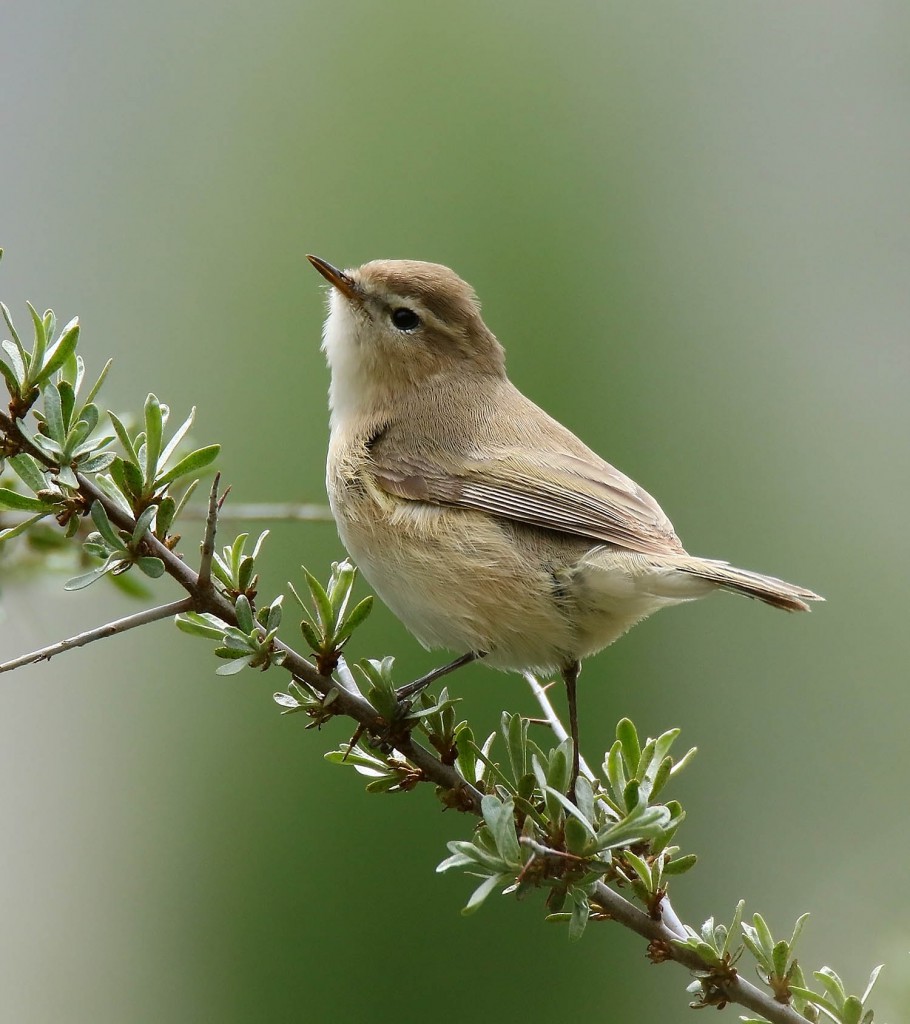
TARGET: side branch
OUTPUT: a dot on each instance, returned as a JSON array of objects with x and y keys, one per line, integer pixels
[{"x": 143, "y": 618}]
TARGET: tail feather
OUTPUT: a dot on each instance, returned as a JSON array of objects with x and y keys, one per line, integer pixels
[{"x": 769, "y": 589}]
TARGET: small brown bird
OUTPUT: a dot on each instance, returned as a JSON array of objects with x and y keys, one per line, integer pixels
[{"x": 484, "y": 524}]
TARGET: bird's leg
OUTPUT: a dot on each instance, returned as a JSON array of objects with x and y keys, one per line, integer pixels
[
  {"x": 403, "y": 692},
  {"x": 570, "y": 677}
]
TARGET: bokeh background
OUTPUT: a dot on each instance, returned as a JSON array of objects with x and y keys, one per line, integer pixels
[{"x": 689, "y": 225}]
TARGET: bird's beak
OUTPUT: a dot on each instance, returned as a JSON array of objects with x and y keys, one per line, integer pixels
[{"x": 337, "y": 278}]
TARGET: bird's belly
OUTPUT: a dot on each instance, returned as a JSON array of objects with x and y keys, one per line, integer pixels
[{"x": 457, "y": 579}]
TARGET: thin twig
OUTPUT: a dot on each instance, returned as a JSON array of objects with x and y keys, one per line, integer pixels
[
  {"x": 208, "y": 541},
  {"x": 143, "y": 618},
  {"x": 277, "y": 511},
  {"x": 551, "y": 718}
]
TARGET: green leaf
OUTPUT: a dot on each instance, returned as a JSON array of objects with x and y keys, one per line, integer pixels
[
  {"x": 97, "y": 463},
  {"x": 104, "y": 526},
  {"x": 679, "y": 865},
  {"x": 29, "y": 472},
  {"x": 12, "y": 383},
  {"x": 627, "y": 735},
  {"x": 37, "y": 357},
  {"x": 580, "y": 912},
  {"x": 570, "y": 808},
  {"x": 143, "y": 522},
  {"x": 852, "y": 1011},
  {"x": 125, "y": 440},
  {"x": 482, "y": 892},
  {"x": 231, "y": 668},
  {"x": 87, "y": 579},
  {"x": 244, "y": 613},
  {"x": 199, "y": 624},
  {"x": 53, "y": 413},
  {"x": 577, "y": 837},
  {"x": 499, "y": 816},
  {"x": 322, "y": 604},
  {"x": 150, "y": 566},
  {"x": 873, "y": 977},
  {"x": 357, "y": 616},
  {"x": 62, "y": 351},
  {"x": 127, "y": 477},
  {"x": 96, "y": 387},
  {"x": 832, "y": 984},
  {"x": 9, "y": 323},
  {"x": 22, "y": 502},
  {"x": 67, "y": 403},
  {"x": 192, "y": 463},
  {"x": 17, "y": 364},
  {"x": 584, "y": 798},
  {"x": 154, "y": 427},
  {"x": 179, "y": 435},
  {"x": 20, "y": 528}
]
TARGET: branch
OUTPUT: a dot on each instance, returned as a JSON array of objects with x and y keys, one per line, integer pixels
[
  {"x": 347, "y": 702},
  {"x": 736, "y": 989},
  {"x": 163, "y": 611},
  {"x": 266, "y": 511}
]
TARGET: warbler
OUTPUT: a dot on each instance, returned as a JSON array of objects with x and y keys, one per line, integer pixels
[{"x": 485, "y": 525}]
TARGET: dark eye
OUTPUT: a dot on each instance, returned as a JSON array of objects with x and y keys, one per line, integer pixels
[{"x": 405, "y": 319}]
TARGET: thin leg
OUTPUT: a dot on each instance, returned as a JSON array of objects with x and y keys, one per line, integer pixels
[
  {"x": 570, "y": 676},
  {"x": 411, "y": 689}
]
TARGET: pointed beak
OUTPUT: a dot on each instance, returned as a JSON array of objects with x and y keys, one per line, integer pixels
[{"x": 337, "y": 278}]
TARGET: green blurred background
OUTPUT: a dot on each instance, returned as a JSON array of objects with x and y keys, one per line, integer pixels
[{"x": 688, "y": 224}]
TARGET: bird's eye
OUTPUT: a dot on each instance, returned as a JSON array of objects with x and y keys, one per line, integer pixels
[{"x": 405, "y": 319}]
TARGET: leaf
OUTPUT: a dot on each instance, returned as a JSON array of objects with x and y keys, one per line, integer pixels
[
  {"x": 150, "y": 566},
  {"x": 482, "y": 892},
  {"x": 179, "y": 435},
  {"x": 199, "y": 624},
  {"x": 357, "y": 616},
  {"x": 873, "y": 977},
  {"x": 244, "y": 613},
  {"x": 584, "y": 798},
  {"x": 97, "y": 463},
  {"x": 154, "y": 426},
  {"x": 143, "y": 522},
  {"x": 29, "y": 472},
  {"x": 96, "y": 387},
  {"x": 580, "y": 912},
  {"x": 499, "y": 816},
  {"x": 64, "y": 348},
  {"x": 104, "y": 526},
  {"x": 9, "y": 323},
  {"x": 679, "y": 865},
  {"x": 127, "y": 477},
  {"x": 12, "y": 383},
  {"x": 627, "y": 735},
  {"x": 53, "y": 412},
  {"x": 322, "y": 604},
  {"x": 20, "y": 528},
  {"x": 16, "y": 363},
  {"x": 87, "y": 579},
  {"x": 567, "y": 804},
  {"x": 22, "y": 502},
  {"x": 125, "y": 439},
  {"x": 37, "y": 357},
  {"x": 67, "y": 403},
  {"x": 192, "y": 463},
  {"x": 231, "y": 668}
]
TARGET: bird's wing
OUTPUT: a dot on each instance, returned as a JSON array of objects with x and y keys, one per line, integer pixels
[{"x": 584, "y": 497}]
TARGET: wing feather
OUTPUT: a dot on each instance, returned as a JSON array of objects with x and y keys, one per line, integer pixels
[{"x": 584, "y": 497}]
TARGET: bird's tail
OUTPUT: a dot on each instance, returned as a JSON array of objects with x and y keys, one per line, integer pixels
[{"x": 769, "y": 589}]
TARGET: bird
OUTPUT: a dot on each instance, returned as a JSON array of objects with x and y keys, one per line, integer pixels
[{"x": 485, "y": 525}]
